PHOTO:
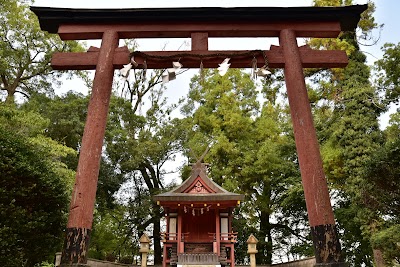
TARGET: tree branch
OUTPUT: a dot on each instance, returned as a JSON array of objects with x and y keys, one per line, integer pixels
[
  {"x": 282, "y": 226},
  {"x": 23, "y": 93}
]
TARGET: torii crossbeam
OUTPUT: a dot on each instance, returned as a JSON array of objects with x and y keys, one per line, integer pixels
[{"x": 199, "y": 24}]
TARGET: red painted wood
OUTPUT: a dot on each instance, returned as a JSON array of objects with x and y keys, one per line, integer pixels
[
  {"x": 84, "y": 193},
  {"x": 313, "y": 177},
  {"x": 232, "y": 263},
  {"x": 309, "y": 58},
  {"x": 218, "y": 231},
  {"x": 180, "y": 248},
  {"x": 87, "y": 60},
  {"x": 165, "y": 256},
  {"x": 199, "y": 41},
  {"x": 199, "y": 204},
  {"x": 198, "y": 187},
  {"x": 180, "y": 29},
  {"x": 199, "y": 226}
]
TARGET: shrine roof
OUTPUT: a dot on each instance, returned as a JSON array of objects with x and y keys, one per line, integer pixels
[
  {"x": 51, "y": 18},
  {"x": 209, "y": 191}
]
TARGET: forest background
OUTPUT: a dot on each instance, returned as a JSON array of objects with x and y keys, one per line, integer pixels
[{"x": 152, "y": 134}]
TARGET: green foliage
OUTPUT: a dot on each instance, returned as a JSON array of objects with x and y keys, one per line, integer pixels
[
  {"x": 112, "y": 237},
  {"x": 138, "y": 146},
  {"x": 388, "y": 79},
  {"x": 25, "y": 52},
  {"x": 252, "y": 152},
  {"x": 383, "y": 174},
  {"x": 367, "y": 22},
  {"x": 347, "y": 41},
  {"x": 388, "y": 241},
  {"x": 66, "y": 113},
  {"x": 46, "y": 264},
  {"x": 351, "y": 135},
  {"x": 346, "y": 109},
  {"x": 34, "y": 189}
]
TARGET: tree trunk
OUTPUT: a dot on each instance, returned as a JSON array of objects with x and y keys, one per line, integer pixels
[
  {"x": 10, "y": 99},
  {"x": 264, "y": 255},
  {"x": 378, "y": 258},
  {"x": 156, "y": 235}
]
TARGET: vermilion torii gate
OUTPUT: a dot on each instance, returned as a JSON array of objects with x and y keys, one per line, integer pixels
[{"x": 199, "y": 24}]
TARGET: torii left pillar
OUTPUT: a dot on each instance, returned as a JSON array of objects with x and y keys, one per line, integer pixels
[{"x": 84, "y": 194}]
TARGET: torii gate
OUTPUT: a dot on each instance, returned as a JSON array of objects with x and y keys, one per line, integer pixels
[{"x": 199, "y": 24}]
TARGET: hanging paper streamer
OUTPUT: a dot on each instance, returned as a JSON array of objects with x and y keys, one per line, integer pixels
[
  {"x": 224, "y": 66},
  {"x": 198, "y": 211},
  {"x": 133, "y": 62},
  {"x": 171, "y": 72},
  {"x": 263, "y": 72},
  {"x": 124, "y": 72}
]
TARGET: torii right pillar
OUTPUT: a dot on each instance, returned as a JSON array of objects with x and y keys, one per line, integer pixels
[{"x": 323, "y": 229}]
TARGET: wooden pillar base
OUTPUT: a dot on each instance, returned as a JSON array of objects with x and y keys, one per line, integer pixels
[
  {"x": 76, "y": 245},
  {"x": 326, "y": 245}
]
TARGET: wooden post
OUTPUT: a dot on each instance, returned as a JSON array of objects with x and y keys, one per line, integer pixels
[
  {"x": 232, "y": 255},
  {"x": 326, "y": 242},
  {"x": 179, "y": 248},
  {"x": 218, "y": 231},
  {"x": 80, "y": 219}
]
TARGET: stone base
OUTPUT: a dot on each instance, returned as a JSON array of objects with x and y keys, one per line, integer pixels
[{"x": 333, "y": 264}]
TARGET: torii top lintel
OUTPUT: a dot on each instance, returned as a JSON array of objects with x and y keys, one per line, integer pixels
[
  {"x": 199, "y": 24},
  {"x": 74, "y": 24}
]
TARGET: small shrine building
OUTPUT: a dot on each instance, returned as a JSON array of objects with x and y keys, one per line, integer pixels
[{"x": 198, "y": 222}]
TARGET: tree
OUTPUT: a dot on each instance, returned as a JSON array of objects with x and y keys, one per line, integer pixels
[
  {"x": 25, "y": 52},
  {"x": 252, "y": 152},
  {"x": 138, "y": 147},
  {"x": 388, "y": 80},
  {"x": 346, "y": 108},
  {"x": 34, "y": 189},
  {"x": 384, "y": 175}
]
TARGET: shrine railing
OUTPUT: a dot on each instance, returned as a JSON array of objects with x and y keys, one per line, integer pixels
[
  {"x": 172, "y": 237},
  {"x": 225, "y": 237}
]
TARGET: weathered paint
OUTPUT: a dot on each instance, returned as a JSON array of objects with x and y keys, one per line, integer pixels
[
  {"x": 199, "y": 41},
  {"x": 84, "y": 193},
  {"x": 76, "y": 245},
  {"x": 320, "y": 214},
  {"x": 326, "y": 244},
  {"x": 180, "y": 29},
  {"x": 191, "y": 59},
  {"x": 313, "y": 178}
]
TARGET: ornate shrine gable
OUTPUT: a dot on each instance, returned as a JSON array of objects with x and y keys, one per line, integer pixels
[{"x": 198, "y": 187}]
